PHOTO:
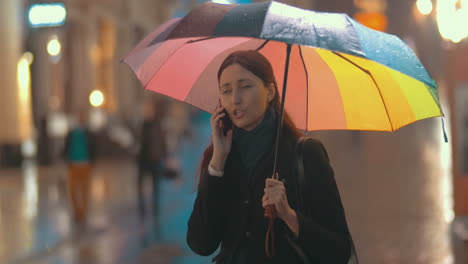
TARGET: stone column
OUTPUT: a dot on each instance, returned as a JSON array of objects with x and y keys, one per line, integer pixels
[
  {"x": 83, "y": 55},
  {"x": 47, "y": 76},
  {"x": 107, "y": 46},
  {"x": 14, "y": 92},
  {"x": 10, "y": 52},
  {"x": 41, "y": 72},
  {"x": 126, "y": 83}
]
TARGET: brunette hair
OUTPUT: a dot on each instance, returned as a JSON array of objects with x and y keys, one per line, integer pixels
[{"x": 259, "y": 65}]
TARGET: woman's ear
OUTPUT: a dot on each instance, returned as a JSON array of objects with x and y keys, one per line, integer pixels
[{"x": 271, "y": 92}]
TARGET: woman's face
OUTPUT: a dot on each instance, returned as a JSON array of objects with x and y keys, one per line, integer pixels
[{"x": 244, "y": 96}]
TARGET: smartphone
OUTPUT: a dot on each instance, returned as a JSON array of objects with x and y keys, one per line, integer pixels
[{"x": 227, "y": 123}]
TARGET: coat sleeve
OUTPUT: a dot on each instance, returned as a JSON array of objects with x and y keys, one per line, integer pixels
[
  {"x": 205, "y": 225},
  {"x": 323, "y": 231}
]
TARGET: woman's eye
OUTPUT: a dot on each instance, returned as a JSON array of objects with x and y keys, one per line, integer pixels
[
  {"x": 246, "y": 86},
  {"x": 226, "y": 91}
]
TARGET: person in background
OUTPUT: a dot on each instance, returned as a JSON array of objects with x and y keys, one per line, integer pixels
[
  {"x": 151, "y": 155},
  {"x": 79, "y": 153}
]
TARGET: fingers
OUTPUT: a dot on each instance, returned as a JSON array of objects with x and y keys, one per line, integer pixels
[
  {"x": 272, "y": 182},
  {"x": 271, "y": 199},
  {"x": 218, "y": 111},
  {"x": 215, "y": 120},
  {"x": 274, "y": 192},
  {"x": 218, "y": 117},
  {"x": 264, "y": 201}
]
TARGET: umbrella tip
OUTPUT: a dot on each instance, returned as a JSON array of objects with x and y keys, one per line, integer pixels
[{"x": 443, "y": 129}]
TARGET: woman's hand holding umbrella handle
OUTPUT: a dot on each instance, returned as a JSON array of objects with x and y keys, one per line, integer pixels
[
  {"x": 221, "y": 143},
  {"x": 275, "y": 202}
]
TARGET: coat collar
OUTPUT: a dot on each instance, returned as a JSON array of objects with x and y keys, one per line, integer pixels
[{"x": 264, "y": 168}]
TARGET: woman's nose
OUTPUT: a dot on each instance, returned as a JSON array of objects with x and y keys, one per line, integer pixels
[{"x": 236, "y": 97}]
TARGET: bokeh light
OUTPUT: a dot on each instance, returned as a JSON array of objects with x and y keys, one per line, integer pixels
[
  {"x": 29, "y": 57},
  {"x": 97, "y": 119},
  {"x": 226, "y": 2},
  {"x": 58, "y": 126},
  {"x": 375, "y": 21},
  {"x": 96, "y": 98},
  {"x": 47, "y": 14},
  {"x": 424, "y": 6},
  {"x": 451, "y": 20},
  {"x": 29, "y": 148},
  {"x": 23, "y": 77},
  {"x": 54, "y": 47}
]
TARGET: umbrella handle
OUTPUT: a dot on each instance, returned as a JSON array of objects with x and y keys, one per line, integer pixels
[{"x": 270, "y": 214}]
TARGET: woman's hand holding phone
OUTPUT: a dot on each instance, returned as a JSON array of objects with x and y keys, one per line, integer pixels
[{"x": 222, "y": 142}]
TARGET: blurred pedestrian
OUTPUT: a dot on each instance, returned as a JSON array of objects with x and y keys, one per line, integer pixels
[
  {"x": 178, "y": 125},
  {"x": 44, "y": 145},
  {"x": 79, "y": 152},
  {"x": 235, "y": 185},
  {"x": 151, "y": 156}
]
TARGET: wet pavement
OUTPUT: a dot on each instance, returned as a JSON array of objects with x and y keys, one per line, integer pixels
[{"x": 396, "y": 190}]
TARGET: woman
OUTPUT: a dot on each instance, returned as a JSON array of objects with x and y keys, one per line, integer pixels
[{"x": 235, "y": 184}]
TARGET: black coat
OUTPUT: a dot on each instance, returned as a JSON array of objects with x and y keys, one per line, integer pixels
[{"x": 229, "y": 211}]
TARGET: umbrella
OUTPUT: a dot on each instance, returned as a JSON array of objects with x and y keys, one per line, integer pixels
[{"x": 342, "y": 75}]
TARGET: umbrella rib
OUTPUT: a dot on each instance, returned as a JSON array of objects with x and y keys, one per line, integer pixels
[
  {"x": 197, "y": 40},
  {"x": 307, "y": 87},
  {"x": 263, "y": 45},
  {"x": 372, "y": 77}
]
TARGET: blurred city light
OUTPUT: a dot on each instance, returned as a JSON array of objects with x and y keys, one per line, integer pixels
[
  {"x": 57, "y": 126},
  {"x": 44, "y": 15},
  {"x": 225, "y": 2},
  {"x": 372, "y": 6},
  {"x": 98, "y": 189},
  {"x": 375, "y": 21},
  {"x": 23, "y": 77},
  {"x": 371, "y": 13},
  {"x": 29, "y": 57},
  {"x": 424, "y": 6},
  {"x": 121, "y": 135},
  {"x": 96, "y": 98},
  {"x": 28, "y": 148},
  {"x": 31, "y": 190},
  {"x": 54, "y": 47},
  {"x": 24, "y": 84},
  {"x": 451, "y": 20},
  {"x": 97, "y": 119}
]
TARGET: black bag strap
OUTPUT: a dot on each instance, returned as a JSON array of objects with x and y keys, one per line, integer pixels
[
  {"x": 300, "y": 177},
  {"x": 299, "y": 181},
  {"x": 300, "y": 184}
]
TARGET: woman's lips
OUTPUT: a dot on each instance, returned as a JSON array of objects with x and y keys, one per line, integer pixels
[{"x": 238, "y": 114}]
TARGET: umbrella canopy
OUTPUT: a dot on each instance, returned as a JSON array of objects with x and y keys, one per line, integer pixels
[{"x": 342, "y": 75}]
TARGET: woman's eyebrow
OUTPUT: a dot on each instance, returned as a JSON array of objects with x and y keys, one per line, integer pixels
[
  {"x": 238, "y": 81},
  {"x": 243, "y": 80}
]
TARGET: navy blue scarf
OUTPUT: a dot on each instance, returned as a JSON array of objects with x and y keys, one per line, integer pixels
[{"x": 252, "y": 145}]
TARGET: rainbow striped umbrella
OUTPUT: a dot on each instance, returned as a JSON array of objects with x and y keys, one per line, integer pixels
[{"x": 342, "y": 75}]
